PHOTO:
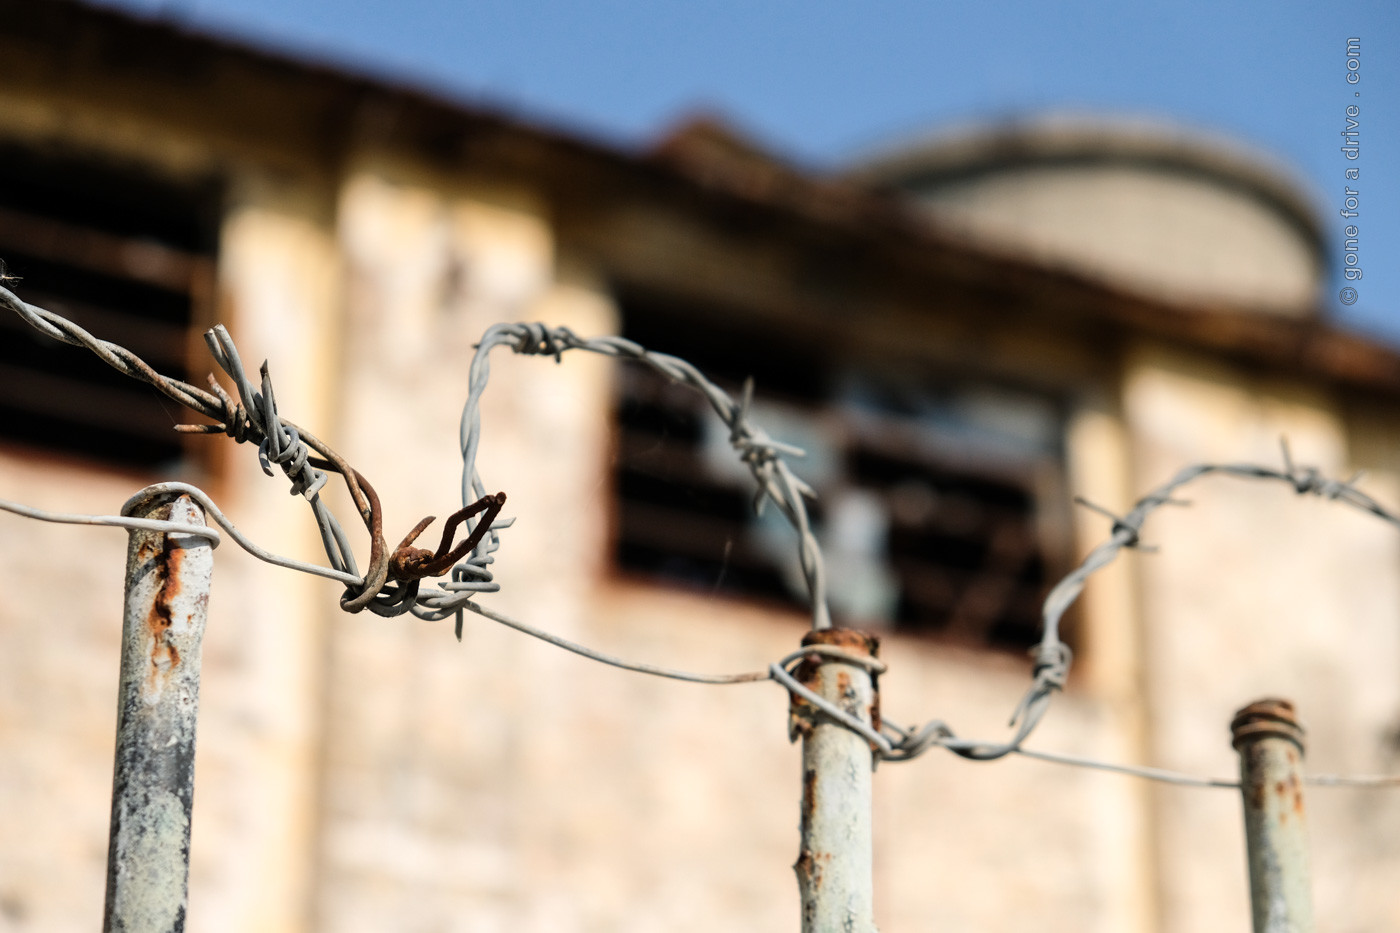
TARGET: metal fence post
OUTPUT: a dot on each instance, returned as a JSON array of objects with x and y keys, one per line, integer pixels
[
  {"x": 1270, "y": 744},
  {"x": 167, "y": 594},
  {"x": 834, "y": 873}
]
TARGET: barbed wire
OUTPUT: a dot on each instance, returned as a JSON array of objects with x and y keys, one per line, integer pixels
[
  {"x": 1125, "y": 533},
  {"x": 775, "y": 481},
  {"x": 758, "y": 451},
  {"x": 389, "y": 587},
  {"x": 253, "y": 418}
]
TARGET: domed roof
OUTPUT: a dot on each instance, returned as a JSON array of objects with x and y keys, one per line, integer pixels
[{"x": 1143, "y": 204}]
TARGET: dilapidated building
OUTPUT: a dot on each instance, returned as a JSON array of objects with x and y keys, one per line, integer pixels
[{"x": 963, "y": 336}]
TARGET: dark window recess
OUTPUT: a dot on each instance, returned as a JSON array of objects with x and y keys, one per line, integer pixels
[
  {"x": 128, "y": 258},
  {"x": 932, "y": 509}
]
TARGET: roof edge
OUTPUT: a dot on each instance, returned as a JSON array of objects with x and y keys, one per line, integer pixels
[{"x": 979, "y": 148}]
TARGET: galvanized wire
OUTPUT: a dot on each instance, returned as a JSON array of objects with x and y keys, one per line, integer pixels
[
  {"x": 1165, "y": 776},
  {"x": 1052, "y": 656},
  {"x": 254, "y": 417},
  {"x": 895, "y": 745},
  {"x": 762, "y": 454},
  {"x": 1161, "y": 775},
  {"x": 669, "y": 673},
  {"x": 115, "y": 521},
  {"x": 775, "y": 480},
  {"x": 204, "y": 531}
]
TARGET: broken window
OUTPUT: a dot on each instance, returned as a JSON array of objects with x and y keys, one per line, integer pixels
[
  {"x": 129, "y": 258},
  {"x": 938, "y": 498}
]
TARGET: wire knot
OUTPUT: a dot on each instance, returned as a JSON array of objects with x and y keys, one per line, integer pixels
[
  {"x": 236, "y": 422},
  {"x": 1051, "y": 667},
  {"x": 758, "y": 451},
  {"x": 754, "y": 447},
  {"x": 1132, "y": 536},
  {"x": 911, "y": 744},
  {"x": 1129, "y": 528},
  {"x": 540, "y": 340},
  {"x": 282, "y": 444},
  {"x": 1309, "y": 480}
]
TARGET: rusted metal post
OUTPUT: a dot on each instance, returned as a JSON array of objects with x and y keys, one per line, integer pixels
[
  {"x": 167, "y": 594},
  {"x": 1270, "y": 744},
  {"x": 834, "y": 874}
]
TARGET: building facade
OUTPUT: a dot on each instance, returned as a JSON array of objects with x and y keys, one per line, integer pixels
[{"x": 962, "y": 337}]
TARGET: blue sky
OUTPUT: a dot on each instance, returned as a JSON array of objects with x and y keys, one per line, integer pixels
[{"x": 823, "y": 82}]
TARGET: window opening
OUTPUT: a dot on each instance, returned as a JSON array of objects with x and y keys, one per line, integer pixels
[
  {"x": 125, "y": 255},
  {"x": 932, "y": 496}
]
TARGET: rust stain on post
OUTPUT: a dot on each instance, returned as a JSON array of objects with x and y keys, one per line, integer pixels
[
  {"x": 833, "y": 867},
  {"x": 853, "y": 640},
  {"x": 1270, "y": 744},
  {"x": 850, "y": 638},
  {"x": 164, "y": 655}
]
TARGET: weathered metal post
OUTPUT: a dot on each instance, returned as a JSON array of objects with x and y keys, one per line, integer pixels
[
  {"x": 1270, "y": 744},
  {"x": 834, "y": 873},
  {"x": 167, "y": 594}
]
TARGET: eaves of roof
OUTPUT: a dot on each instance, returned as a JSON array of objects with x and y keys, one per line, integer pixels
[{"x": 712, "y": 181}]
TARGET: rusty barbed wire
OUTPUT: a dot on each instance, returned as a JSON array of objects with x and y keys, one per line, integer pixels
[
  {"x": 253, "y": 417},
  {"x": 391, "y": 586}
]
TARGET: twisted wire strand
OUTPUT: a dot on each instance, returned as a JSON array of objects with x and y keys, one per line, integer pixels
[
  {"x": 254, "y": 418},
  {"x": 1052, "y": 657},
  {"x": 776, "y": 482},
  {"x": 763, "y": 455}
]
